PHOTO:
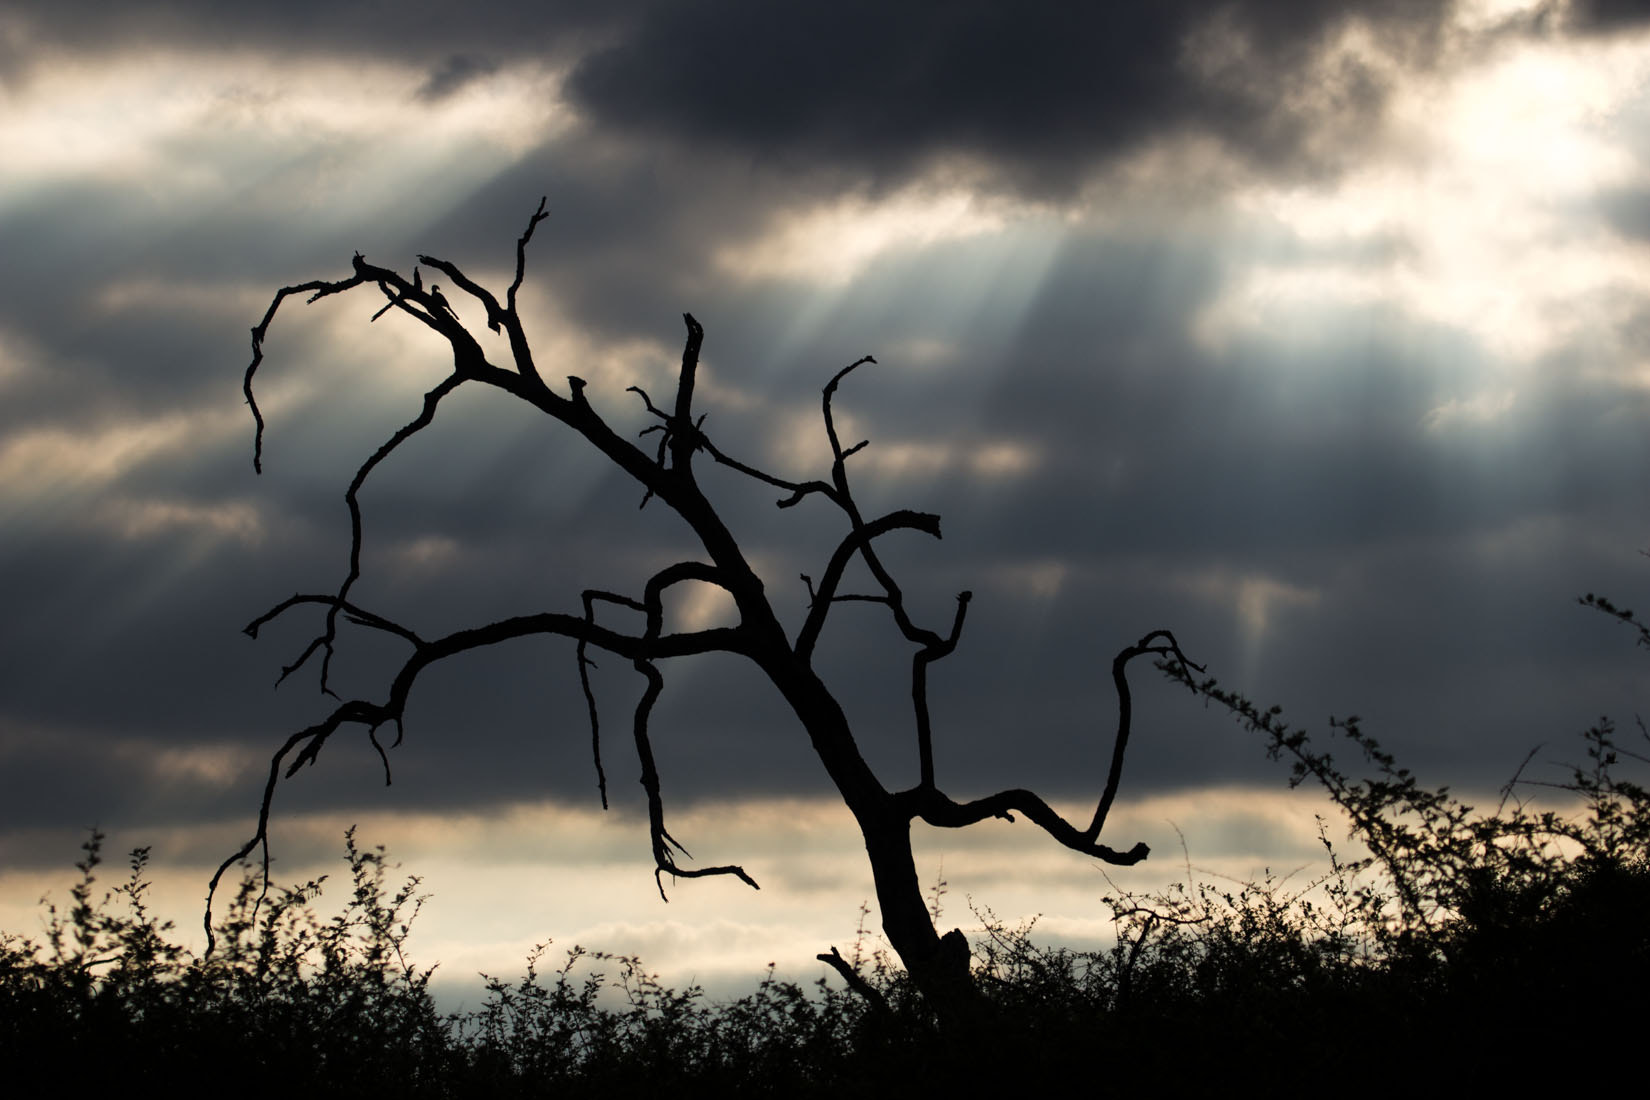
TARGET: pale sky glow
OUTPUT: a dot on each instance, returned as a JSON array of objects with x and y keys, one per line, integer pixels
[
  {"x": 51, "y": 461},
  {"x": 830, "y": 244},
  {"x": 985, "y": 460},
  {"x": 1489, "y": 166},
  {"x": 138, "y": 519},
  {"x": 487, "y": 913},
  {"x": 131, "y": 121},
  {"x": 999, "y": 275},
  {"x": 1320, "y": 340},
  {"x": 179, "y": 300}
]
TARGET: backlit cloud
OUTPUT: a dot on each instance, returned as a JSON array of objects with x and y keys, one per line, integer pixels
[{"x": 1319, "y": 333}]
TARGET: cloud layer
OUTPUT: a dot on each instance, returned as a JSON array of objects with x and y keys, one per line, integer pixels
[{"x": 1319, "y": 339}]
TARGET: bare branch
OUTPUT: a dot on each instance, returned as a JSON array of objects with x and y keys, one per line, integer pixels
[
  {"x": 797, "y": 489},
  {"x": 304, "y": 747},
  {"x": 312, "y": 739},
  {"x": 859, "y": 985},
  {"x": 837, "y": 472},
  {"x": 664, "y": 862},
  {"x": 383, "y": 757},
  {"x": 495, "y": 313},
  {"x": 684, "y": 438},
  {"x": 857, "y": 540},
  {"x": 585, "y": 665},
  {"x": 940, "y": 811},
  {"x": 469, "y": 362},
  {"x": 351, "y": 498},
  {"x": 521, "y": 252},
  {"x": 507, "y": 317},
  {"x": 357, "y": 615},
  {"x": 433, "y": 312},
  {"x": 844, "y": 498},
  {"x": 926, "y": 656},
  {"x": 1169, "y": 650},
  {"x": 653, "y": 606},
  {"x": 678, "y": 433},
  {"x": 648, "y": 401},
  {"x": 319, "y": 289}
]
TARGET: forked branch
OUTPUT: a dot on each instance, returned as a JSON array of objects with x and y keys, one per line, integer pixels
[{"x": 938, "y": 809}]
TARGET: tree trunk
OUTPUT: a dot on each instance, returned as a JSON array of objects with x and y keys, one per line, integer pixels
[{"x": 938, "y": 965}]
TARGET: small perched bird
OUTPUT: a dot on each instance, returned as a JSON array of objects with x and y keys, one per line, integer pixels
[{"x": 441, "y": 302}]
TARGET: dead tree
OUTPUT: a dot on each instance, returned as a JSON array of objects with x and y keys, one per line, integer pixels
[{"x": 939, "y": 965}]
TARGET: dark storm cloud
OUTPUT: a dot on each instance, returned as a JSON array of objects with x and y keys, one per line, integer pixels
[
  {"x": 1628, "y": 212},
  {"x": 1041, "y": 94},
  {"x": 457, "y": 71},
  {"x": 1609, "y": 16},
  {"x": 422, "y": 31},
  {"x": 1043, "y": 91},
  {"x": 632, "y": 232}
]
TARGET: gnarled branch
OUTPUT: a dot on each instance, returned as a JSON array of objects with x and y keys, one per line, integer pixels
[{"x": 667, "y": 473}]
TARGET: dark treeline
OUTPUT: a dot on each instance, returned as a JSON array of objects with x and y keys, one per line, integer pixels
[{"x": 1460, "y": 944}]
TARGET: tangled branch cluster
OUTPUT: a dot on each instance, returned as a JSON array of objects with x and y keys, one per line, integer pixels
[{"x": 666, "y": 475}]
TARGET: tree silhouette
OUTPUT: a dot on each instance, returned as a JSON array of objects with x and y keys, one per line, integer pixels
[{"x": 939, "y": 965}]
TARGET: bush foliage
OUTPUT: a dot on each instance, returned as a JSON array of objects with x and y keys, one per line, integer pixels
[{"x": 1457, "y": 935}]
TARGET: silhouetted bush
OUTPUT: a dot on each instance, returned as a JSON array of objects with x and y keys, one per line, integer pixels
[
  {"x": 286, "y": 1001},
  {"x": 1454, "y": 934}
]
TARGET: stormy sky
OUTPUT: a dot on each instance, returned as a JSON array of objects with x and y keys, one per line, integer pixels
[{"x": 1316, "y": 332}]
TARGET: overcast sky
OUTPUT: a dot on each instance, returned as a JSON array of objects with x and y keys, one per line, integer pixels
[{"x": 1316, "y": 332}]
